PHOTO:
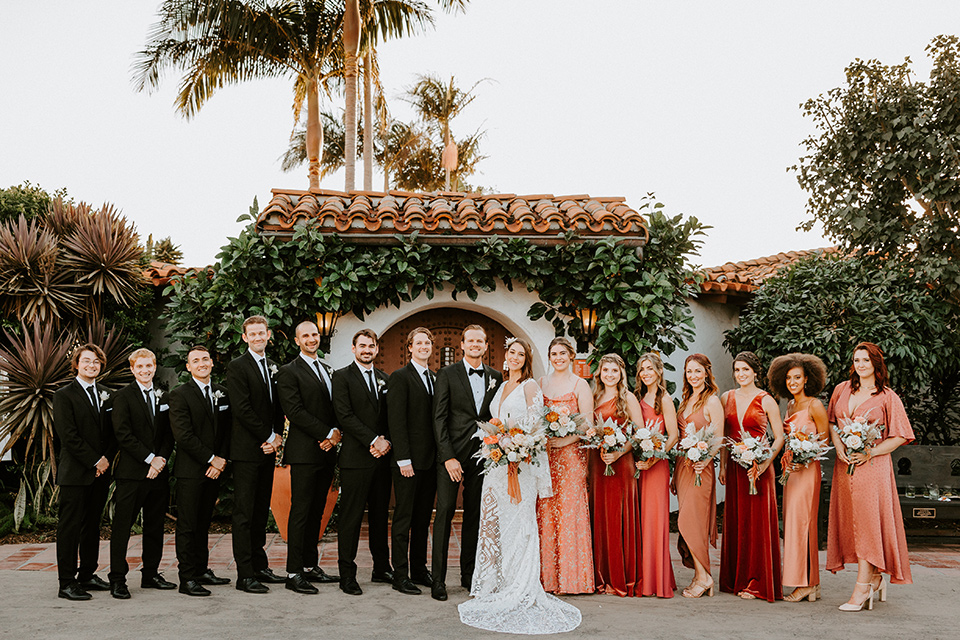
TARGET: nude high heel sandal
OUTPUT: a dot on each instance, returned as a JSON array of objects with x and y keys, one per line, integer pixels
[
  {"x": 846, "y": 606},
  {"x": 810, "y": 593},
  {"x": 881, "y": 589}
]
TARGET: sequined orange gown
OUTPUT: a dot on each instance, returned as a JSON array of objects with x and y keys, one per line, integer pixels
[
  {"x": 566, "y": 549},
  {"x": 865, "y": 517}
]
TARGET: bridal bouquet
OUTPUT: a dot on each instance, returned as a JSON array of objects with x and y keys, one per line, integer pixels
[
  {"x": 801, "y": 448},
  {"x": 699, "y": 446},
  {"x": 510, "y": 444},
  {"x": 858, "y": 435},
  {"x": 558, "y": 422},
  {"x": 608, "y": 437},
  {"x": 648, "y": 442},
  {"x": 748, "y": 453}
]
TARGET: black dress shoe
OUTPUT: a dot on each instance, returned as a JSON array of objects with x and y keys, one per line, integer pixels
[
  {"x": 119, "y": 590},
  {"x": 404, "y": 585},
  {"x": 382, "y": 576},
  {"x": 156, "y": 582},
  {"x": 193, "y": 588},
  {"x": 350, "y": 587},
  {"x": 94, "y": 583},
  {"x": 251, "y": 585},
  {"x": 300, "y": 585},
  {"x": 424, "y": 579},
  {"x": 319, "y": 575},
  {"x": 268, "y": 577},
  {"x": 438, "y": 591},
  {"x": 207, "y": 577},
  {"x": 73, "y": 591}
]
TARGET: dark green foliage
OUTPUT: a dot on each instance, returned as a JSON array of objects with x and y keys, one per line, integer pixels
[
  {"x": 28, "y": 200},
  {"x": 826, "y": 305}
]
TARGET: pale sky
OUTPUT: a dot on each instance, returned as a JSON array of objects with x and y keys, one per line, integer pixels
[{"x": 697, "y": 102}]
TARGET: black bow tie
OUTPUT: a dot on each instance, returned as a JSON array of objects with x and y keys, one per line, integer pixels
[{"x": 478, "y": 372}]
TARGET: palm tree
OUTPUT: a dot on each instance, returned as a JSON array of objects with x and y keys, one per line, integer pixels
[
  {"x": 217, "y": 43},
  {"x": 437, "y": 103}
]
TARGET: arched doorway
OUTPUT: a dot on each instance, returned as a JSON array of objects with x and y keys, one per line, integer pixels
[{"x": 447, "y": 325}]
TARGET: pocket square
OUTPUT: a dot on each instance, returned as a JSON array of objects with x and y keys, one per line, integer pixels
[
  {"x": 223, "y": 407},
  {"x": 163, "y": 407}
]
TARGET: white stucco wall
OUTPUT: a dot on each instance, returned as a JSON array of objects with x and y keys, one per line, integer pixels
[
  {"x": 711, "y": 319},
  {"x": 509, "y": 308}
]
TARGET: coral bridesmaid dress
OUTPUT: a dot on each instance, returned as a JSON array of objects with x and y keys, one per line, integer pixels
[
  {"x": 865, "y": 517},
  {"x": 616, "y": 520},
  {"x": 801, "y": 505},
  {"x": 566, "y": 554},
  {"x": 657, "y": 571},
  {"x": 750, "y": 549},
  {"x": 697, "y": 512}
]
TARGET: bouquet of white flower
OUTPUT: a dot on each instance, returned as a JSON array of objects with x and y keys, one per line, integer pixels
[
  {"x": 801, "y": 448},
  {"x": 608, "y": 436},
  {"x": 858, "y": 435},
  {"x": 749, "y": 453},
  {"x": 699, "y": 446},
  {"x": 559, "y": 422},
  {"x": 648, "y": 442},
  {"x": 510, "y": 444}
]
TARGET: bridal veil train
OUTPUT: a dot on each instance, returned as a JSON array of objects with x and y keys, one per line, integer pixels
[{"x": 507, "y": 595}]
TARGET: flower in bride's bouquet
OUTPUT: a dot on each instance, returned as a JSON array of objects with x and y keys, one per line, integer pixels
[{"x": 495, "y": 455}]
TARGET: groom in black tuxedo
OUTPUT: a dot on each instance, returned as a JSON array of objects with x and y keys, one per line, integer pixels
[
  {"x": 463, "y": 393},
  {"x": 359, "y": 399},
  {"x": 257, "y": 432},
  {"x": 410, "y": 418}
]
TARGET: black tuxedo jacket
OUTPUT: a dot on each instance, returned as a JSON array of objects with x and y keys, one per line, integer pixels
[
  {"x": 83, "y": 434},
  {"x": 308, "y": 406},
  {"x": 200, "y": 431},
  {"x": 455, "y": 415},
  {"x": 362, "y": 416},
  {"x": 137, "y": 434},
  {"x": 410, "y": 418},
  {"x": 255, "y": 415}
]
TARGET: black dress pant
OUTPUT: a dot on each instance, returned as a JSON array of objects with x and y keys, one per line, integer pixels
[
  {"x": 309, "y": 486},
  {"x": 78, "y": 529},
  {"x": 196, "y": 498},
  {"x": 447, "y": 491},
  {"x": 364, "y": 488},
  {"x": 411, "y": 520},
  {"x": 153, "y": 497},
  {"x": 252, "y": 486}
]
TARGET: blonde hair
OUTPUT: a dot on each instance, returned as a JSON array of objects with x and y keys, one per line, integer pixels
[
  {"x": 142, "y": 353},
  {"x": 599, "y": 387}
]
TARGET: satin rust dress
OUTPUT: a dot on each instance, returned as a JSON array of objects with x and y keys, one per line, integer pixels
[
  {"x": 865, "y": 517},
  {"x": 657, "y": 577},
  {"x": 801, "y": 506},
  {"x": 616, "y": 519},
  {"x": 566, "y": 552},
  {"x": 750, "y": 549},
  {"x": 697, "y": 511}
]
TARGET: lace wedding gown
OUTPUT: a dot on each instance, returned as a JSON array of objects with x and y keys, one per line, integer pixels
[{"x": 507, "y": 595}]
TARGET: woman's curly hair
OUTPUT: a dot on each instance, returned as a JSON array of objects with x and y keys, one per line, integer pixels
[{"x": 813, "y": 369}]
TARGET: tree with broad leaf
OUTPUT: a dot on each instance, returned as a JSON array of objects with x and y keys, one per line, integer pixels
[{"x": 883, "y": 168}]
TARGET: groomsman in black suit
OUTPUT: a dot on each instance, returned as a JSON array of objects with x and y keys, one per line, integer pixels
[
  {"x": 311, "y": 451},
  {"x": 257, "y": 433},
  {"x": 85, "y": 441},
  {"x": 141, "y": 424},
  {"x": 200, "y": 420},
  {"x": 359, "y": 398},
  {"x": 463, "y": 393},
  {"x": 410, "y": 418}
]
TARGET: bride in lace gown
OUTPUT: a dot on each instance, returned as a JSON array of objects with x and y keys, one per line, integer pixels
[{"x": 507, "y": 595}]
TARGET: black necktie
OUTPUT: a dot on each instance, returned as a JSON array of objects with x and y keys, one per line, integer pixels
[
  {"x": 373, "y": 387},
  {"x": 316, "y": 363},
  {"x": 266, "y": 377},
  {"x": 92, "y": 392},
  {"x": 426, "y": 374},
  {"x": 150, "y": 407},
  {"x": 476, "y": 372},
  {"x": 206, "y": 393}
]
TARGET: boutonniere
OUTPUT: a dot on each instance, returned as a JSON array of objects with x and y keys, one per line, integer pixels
[
  {"x": 104, "y": 396},
  {"x": 381, "y": 384},
  {"x": 217, "y": 394},
  {"x": 273, "y": 370},
  {"x": 493, "y": 383},
  {"x": 158, "y": 393}
]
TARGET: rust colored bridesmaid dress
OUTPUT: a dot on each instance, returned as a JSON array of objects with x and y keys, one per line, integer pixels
[
  {"x": 616, "y": 520},
  {"x": 801, "y": 505},
  {"x": 750, "y": 549},
  {"x": 865, "y": 517},
  {"x": 697, "y": 512},
  {"x": 566, "y": 554},
  {"x": 657, "y": 572}
]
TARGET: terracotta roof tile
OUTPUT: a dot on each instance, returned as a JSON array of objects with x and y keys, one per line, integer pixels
[
  {"x": 160, "y": 273},
  {"x": 465, "y": 214},
  {"x": 746, "y": 276}
]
